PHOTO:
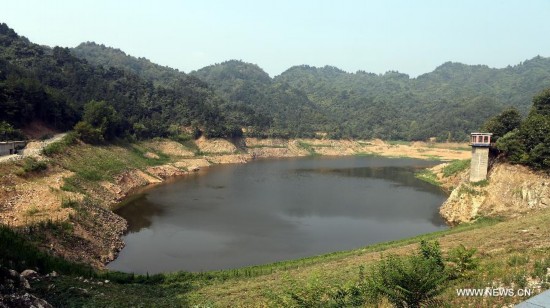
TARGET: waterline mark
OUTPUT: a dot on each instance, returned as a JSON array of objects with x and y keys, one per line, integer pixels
[{"x": 494, "y": 292}]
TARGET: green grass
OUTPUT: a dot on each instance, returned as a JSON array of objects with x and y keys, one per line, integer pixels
[
  {"x": 518, "y": 260},
  {"x": 455, "y": 167},
  {"x": 104, "y": 162},
  {"x": 432, "y": 157},
  {"x": 365, "y": 154},
  {"x": 31, "y": 211},
  {"x": 69, "y": 203},
  {"x": 60, "y": 146},
  {"x": 465, "y": 189},
  {"x": 481, "y": 183},
  {"x": 180, "y": 289},
  {"x": 17, "y": 252},
  {"x": 398, "y": 142},
  {"x": 31, "y": 165},
  {"x": 427, "y": 176},
  {"x": 308, "y": 147},
  {"x": 259, "y": 146}
]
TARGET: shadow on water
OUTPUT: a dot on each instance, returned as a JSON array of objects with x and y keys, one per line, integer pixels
[
  {"x": 401, "y": 176},
  {"x": 140, "y": 213}
]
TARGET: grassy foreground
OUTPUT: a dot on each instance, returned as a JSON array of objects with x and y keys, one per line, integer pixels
[{"x": 513, "y": 254}]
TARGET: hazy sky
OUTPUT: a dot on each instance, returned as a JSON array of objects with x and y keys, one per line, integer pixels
[{"x": 412, "y": 37}]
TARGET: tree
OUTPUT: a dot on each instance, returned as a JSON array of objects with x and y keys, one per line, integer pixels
[
  {"x": 512, "y": 146},
  {"x": 100, "y": 122},
  {"x": 505, "y": 122},
  {"x": 88, "y": 133},
  {"x": 7, "y": 132},
  {"x": 530, "y": 143},
  {"x": 411, "y": 281},
  {"x": 541, "y": 103}
]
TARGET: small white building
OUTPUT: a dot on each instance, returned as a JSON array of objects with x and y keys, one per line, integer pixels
[{"x": 11, "y": 147}]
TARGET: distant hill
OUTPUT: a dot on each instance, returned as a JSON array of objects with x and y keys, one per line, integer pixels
[
  {"x": 100, "y": 55},
  {"x": 452, "y": 100},
  {"x": 292, "y": 113},
  {"x": 53, "y": 84}
]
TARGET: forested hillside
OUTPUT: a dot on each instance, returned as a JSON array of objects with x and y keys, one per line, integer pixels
[
  {"x": 447, "y": 103},
  {"x": 247, "y": 84},
  {"x": 452, "y": 100},
  {"x": 55, "y": 84},
  {"x": 52, "y": 85},
  {"x": 101, "y": 55}
]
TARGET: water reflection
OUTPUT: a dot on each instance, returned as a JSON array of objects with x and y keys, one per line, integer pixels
[
  {"x": 267, "y": 211},
  {"x": 141, "y": 213}
]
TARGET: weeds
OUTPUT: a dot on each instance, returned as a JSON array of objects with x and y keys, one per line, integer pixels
[
  {"x": 427, "y": 176},
  {"x": 465, "y": 189},
  {"x": 518, "y": 260},
  {"x": 69, "y": 203},
  {"x": 31, "y": 211},
  {"x": 455, "y": 167},
  {"x": 308, "y": 147},
  {"x": 60, "y": 146},
  {"x": 412, "y": 281},
  {"x": 31, "y": 164},
  {"x": 540, "y": 269},
  {"x": 462, "y": 261},
  {"x": 481, "y": 183},
  {"x": 71, "y": 184}
]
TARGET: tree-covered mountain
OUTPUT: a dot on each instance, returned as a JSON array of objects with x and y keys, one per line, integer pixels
[
  {"x": 452, "y": 100},
  {"x": 235, "y": 112},
  {"x": 52, "y": 85},
  {"x": 100, "y": 55},
  {"x": 292, "y": 113}
]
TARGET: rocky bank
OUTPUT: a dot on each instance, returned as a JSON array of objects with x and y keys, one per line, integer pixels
[
  {"x": 510, "y": 191},
  {"x": 92, "y": 232}
]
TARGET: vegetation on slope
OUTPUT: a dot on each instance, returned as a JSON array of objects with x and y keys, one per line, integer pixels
[
  {"x": 52, "y": 85},
  {"x": 447, "y": 103},
  {"x": 350, "y": 278},
  {"x": 528, "y": 141},
  {"x": 107, "y": 57}
]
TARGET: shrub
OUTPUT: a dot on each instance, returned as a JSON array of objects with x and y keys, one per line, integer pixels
[
  {"x": 69, "y": 203},
  {"x": 316, "y": 293},
  {"x": 540, "y": 269},
  {"x": 88, "y": 133},
  {"x": 432, "y": 251},
  {"x": 32, "y": 165},
  {"x": 412, "y": 281},
  {"x": 461, "y": 261}
]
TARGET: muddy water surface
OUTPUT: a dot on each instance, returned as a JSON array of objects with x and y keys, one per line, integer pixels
[{"x": 231, "y": 216}]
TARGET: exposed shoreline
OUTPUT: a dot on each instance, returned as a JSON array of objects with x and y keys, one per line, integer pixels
[{"x": 99, "y": 242}]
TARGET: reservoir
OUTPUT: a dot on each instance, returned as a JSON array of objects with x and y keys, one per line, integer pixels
[{"x": 230, "y": 216}]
